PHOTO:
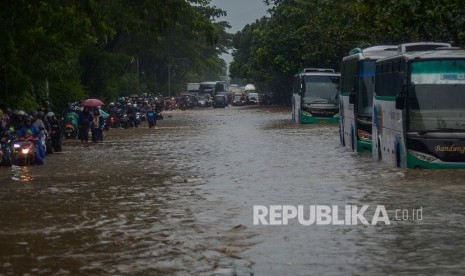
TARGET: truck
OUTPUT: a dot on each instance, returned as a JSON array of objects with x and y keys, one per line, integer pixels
[{"x": 193, "y": 88}]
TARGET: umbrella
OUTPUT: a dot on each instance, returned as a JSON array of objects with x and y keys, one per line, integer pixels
[{"x": 92, "y": 103}]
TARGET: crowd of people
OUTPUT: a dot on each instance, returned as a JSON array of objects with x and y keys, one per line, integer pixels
[
  {"x": 42, "y": 126},
  {"x": 47, "y": 129}
]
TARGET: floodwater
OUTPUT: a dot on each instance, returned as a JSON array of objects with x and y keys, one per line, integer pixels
[{"x": 179, "y": 201}]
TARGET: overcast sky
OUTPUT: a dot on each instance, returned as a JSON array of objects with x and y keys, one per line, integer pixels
[{"x": 239, "y": 14}]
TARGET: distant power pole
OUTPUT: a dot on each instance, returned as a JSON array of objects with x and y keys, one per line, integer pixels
[{"x": 185, "y": 63}]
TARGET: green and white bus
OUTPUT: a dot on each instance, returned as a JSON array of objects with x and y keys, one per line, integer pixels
[
  {"x": 356, "y": 96},
  {"x": 315, "y": 96},
  {"x": 419, "y": 107}
]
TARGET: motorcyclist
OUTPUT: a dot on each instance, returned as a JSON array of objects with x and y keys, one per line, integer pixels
[
  {"x": 56, "y": 131},
  {"x": 29, "y": 131},
  {"x": 112, "y": 110},
  {"x": 71, "y": 118},
  {"x": 18, "y": 120},
  {"x": 70, "y": 123},
  {"x": 38, "y": 122},
  {"x": 131, "y": 111},
  {"x": 40, "y": 125}
]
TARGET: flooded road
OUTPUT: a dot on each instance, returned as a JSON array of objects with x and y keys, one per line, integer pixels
[{"x": 179, "y": 200}]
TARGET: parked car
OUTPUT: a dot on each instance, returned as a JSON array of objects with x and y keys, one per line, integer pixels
[
  {"x": 253, "y": 98},
  {"x": 220, "y": 101},
  {"x": 238, "y": 99},
  {"x": 202, "y": 101}
]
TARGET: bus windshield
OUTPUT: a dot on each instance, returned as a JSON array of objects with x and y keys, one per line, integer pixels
[
  {"x": 365, "y": 95},
  {"x": 436, "y": 96},
  {"x": 321, "y": 89},
  {"x": 206, "y": 88}
]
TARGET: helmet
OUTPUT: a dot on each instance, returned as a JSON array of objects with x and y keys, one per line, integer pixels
[
  {"x": 112, "y": 104},
  {"x": 5, "y": 117},
  {"x": 28, "y": 118},
  {"x": 50, "y": 115},
  {"x": 21, "y": 113}
]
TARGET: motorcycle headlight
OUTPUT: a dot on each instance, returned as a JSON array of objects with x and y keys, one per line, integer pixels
[
  {"x": 363, "y": 135},
  {"x": 25, "y": 151},
  {"x": 422, "y": 156},
  {"x": 16, "y": 146}
]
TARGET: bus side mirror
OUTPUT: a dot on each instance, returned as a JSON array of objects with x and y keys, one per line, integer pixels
[
  {"x": 400, "y": 101},
  {"x": 352, "y": 98}
]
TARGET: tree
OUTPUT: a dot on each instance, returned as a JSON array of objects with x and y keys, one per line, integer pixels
[
  {"x": 319, "y": 33},
  {"x": 65, "y": 50}
]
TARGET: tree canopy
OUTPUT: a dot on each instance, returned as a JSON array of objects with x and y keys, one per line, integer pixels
[
  {"x": 319, "y": 33},
  {"x": 63, "y": 51}
]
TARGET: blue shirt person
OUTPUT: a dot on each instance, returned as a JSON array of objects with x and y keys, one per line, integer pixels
[
  {"x": 29, "y": 130},
  {"x": 151, "y": 118}
]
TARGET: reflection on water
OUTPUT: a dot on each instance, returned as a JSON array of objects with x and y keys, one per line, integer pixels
[
  {"x": 21, "y": 174},
  {"x": 178, "y": 200}
]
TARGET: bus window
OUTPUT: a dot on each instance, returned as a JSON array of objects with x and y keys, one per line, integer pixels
[
  {"x": 365, "y": 96},
  {"x": 349, "y": 71}
]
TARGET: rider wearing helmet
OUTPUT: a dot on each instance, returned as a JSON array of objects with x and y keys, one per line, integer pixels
[
  {"x": 37, "y": 120},
  {"x": 18, "y": 120},
  {"x": 56, "y": 131},
  {"x": 30, "y": 131}
]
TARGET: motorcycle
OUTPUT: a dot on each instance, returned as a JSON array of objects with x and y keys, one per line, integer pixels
[
  {"x": 111, "y": 122},
  {"x": 46, "y": 140},
  {"x": 137, "y": 120},
  {"x": 70, "y": 131},
  {"x": 125, "y": 121},
  {"x": 24, "y": 152},
  {"x": 6, "y": 150}
]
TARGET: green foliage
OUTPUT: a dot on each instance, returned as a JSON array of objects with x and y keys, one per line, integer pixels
[
  {"x": 64, "y": 92},
  {"x": 318, "y": 33},
  {"x": 65, "y": 50}
]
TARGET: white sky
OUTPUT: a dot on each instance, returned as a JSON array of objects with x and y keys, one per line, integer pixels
[{"x": 239, "y": 14}]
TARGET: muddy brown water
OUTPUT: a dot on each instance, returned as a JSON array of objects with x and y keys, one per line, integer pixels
[{"x": 179, "y": 201}]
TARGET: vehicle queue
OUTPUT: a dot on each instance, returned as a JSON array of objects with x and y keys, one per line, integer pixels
[{"x": 27, "y": 137}]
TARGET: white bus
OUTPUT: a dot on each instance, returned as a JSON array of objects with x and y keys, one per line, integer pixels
[
  {"x": 419, "y": 107},
  {"x": 356, "y": 96},
  {"x": 315, "y": 96}
]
